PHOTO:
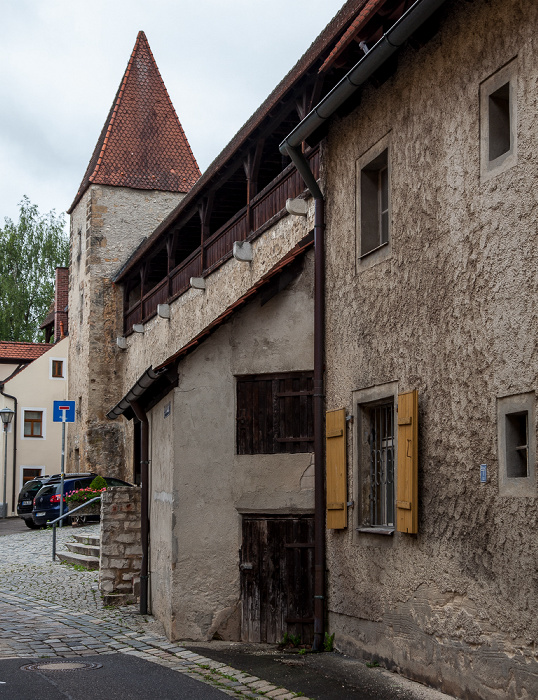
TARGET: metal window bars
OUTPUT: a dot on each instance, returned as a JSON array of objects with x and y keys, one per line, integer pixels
[{"x": 381, "y": 440}]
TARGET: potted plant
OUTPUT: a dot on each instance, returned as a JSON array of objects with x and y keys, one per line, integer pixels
[{"x": 77, "y": 498}]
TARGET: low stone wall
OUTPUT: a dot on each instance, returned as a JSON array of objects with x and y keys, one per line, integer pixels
[{"x": 121, "y": 547}]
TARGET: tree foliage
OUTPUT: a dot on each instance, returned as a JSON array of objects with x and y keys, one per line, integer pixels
[{"x": 30, "y": 250}]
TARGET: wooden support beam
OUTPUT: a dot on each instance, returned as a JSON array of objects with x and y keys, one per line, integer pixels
[
  {"x": 251, "y": 166},
  {"x": 205, "y": 208}
]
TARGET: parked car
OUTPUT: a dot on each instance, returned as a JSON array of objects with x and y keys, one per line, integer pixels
[
  {"x": 47, "y": 500},
  {"x": 25, "y": 502}
]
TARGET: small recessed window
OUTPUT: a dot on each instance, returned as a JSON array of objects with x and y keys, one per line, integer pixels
[
  {"x": 498, "y": 126},
  {"x": 375, "y": 203},
  {"x": 499, "y": 122},
  {"x": 33, "y": 424},
  {"x": 57, "y": 369},
  {"x": 516, "y": 445},
  {"x": 517, "y": 448}
]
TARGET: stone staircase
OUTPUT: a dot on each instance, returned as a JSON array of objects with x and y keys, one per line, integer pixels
[{"x": 84, "y": 552}]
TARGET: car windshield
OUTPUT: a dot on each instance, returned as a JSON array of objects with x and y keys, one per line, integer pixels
[
  {"x": 30, "y": 488},
  {"x": 47, "y": 490}
]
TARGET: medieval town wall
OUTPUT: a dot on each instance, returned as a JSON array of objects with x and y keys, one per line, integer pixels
[
  {"x": 196, "y": 309},
  {"x": 107, "y": 225},
  {"x": 449, "y": 311},
  {"x": 196, "y": 519}
]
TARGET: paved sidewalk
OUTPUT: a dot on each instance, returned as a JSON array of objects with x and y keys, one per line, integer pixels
[
  {"x": 50, "y": 610},
  {"x": 53, "y": 611}
]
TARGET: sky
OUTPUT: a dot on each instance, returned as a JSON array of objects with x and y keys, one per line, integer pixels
[{"x": 61, "y": 63}]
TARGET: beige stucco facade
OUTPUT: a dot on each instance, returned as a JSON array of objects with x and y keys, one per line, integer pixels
[
  {"x": 200, "y": 486},
  {"x": 447, "y": 308},
  {"x": 35, "y": 389}
]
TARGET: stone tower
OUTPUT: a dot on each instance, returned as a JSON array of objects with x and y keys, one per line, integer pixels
[{"x": 141, "y": 168}]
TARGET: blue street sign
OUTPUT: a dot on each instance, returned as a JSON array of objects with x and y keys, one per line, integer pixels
[{"x": 63, "y": 412}]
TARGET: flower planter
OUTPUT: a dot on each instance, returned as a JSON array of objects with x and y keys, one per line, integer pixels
[{"x": 93, "y": 509}]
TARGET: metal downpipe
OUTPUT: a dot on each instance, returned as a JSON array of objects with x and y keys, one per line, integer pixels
[
  {"x": 319, "y": 423},
  {"x": 144, "y": 511},
  {"x": 303, "y": 168},
  {"x": 13, "y": 491}
]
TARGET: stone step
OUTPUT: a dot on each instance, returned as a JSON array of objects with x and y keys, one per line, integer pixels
[
  {"x": 88, "y": 539},
  {"x": 91, "y": 550},
  {"x": 81, "y": 559}
]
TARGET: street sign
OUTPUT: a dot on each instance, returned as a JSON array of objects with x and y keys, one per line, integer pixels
[{"x": 63, "y": 412}]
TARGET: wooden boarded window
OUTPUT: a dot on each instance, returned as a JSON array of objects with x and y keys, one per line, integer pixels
[
  {"x": 335, "y": 435},
  {"x": 407, "y": 480},
  {"x": 275, "y": 413}
]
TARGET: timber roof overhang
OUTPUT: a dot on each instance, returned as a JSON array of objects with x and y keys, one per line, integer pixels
[
  {"x": 153, "y": 385},
  {"x": 276, "y": 117}
]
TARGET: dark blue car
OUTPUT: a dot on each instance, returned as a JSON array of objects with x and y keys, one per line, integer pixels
[{"x": 47, "y": 500}]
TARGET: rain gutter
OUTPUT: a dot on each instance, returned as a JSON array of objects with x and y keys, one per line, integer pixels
[{"x": 389, "y": 43}]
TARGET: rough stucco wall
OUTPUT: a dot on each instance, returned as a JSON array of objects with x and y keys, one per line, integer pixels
[
  {"x": 451, "y": 313},
  {"x": 106, "y": 227},
  {"x": 211, "y": 484},
  {"x": 162, "y": 502}
]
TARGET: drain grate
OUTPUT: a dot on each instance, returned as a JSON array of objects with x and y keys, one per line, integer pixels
[{"x": 61, "y": 666}]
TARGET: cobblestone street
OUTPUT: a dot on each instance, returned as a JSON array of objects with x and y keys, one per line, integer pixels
[{"x": 50, "y": 610}]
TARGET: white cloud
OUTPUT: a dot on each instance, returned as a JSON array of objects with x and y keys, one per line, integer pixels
[{"x": 63, "y": 60}]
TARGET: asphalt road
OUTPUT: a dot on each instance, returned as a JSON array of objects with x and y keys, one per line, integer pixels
[{"x": 118, "y": 677}]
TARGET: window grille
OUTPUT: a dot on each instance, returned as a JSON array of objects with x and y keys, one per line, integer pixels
[{"x": 381, "y": 441}]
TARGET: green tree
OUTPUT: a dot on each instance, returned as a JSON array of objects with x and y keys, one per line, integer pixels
[{"x": 30, "y": 250}]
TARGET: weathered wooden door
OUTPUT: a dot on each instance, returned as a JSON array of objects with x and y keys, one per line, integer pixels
[{"x": 277, "y": 578}]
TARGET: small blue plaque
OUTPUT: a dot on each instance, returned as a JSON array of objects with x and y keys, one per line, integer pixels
[
  {"x": 483, "y": 473},
  {"x": 167, "y": 410}
]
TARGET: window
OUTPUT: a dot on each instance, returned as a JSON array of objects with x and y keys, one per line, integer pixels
[
  {"x": 57, "y": 369},
  {"x": 33, "y": 424},
  {"x": 498, "y": 121},
  {"x": 373, "y": 204},
  {"x": 275, "y": 413},
  {"x": 377, "y": 424},
  {"x": 375, "y": 449},
  {"x": 516, "y": 445}
]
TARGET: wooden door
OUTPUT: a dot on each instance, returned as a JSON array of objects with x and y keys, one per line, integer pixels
[{"x": 277, "y": 578}]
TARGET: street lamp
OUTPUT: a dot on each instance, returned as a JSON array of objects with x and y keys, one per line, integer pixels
[{"x": 6, "y": 414}]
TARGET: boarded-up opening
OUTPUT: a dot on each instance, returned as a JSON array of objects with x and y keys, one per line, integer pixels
[{"x": 277, "y": 577}]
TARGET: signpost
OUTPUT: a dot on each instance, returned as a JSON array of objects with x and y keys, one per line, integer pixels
[{"x": 63, "y": 412}]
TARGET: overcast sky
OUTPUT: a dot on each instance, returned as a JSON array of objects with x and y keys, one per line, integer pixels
[{"x": 62, "y": 62}]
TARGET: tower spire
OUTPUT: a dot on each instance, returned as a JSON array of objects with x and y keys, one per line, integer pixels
[{"x": 142, "y": 144}]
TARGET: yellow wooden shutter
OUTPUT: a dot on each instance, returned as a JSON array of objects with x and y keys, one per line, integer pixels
[
  {"x": 407, "y": 476},
  {"x": 336, "y": 473}
]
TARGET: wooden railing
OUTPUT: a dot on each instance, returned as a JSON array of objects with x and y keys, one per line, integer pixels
[{"x": 218, "y": 247}]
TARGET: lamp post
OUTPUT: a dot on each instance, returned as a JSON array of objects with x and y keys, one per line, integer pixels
[{"x": 6, "y": 414}]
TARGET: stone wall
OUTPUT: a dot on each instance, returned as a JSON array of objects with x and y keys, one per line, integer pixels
[
  {"x": 107, "y": 225},
  {"x": 451, "y": 312},
  {"x": 121, "y": 546}
]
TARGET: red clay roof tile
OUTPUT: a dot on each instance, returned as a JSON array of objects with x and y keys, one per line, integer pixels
[
  {"x": 142, "y": 144},
  {"x": 21, "y": 352}
]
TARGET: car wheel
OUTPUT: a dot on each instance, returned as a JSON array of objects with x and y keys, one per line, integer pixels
[{"x": 30, "y": 523}]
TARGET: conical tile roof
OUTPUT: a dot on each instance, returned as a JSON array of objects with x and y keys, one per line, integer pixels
[{"x": 142, "y": 144}]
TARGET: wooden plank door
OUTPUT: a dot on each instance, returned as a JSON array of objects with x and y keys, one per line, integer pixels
[{"x": 277, "y": 565}]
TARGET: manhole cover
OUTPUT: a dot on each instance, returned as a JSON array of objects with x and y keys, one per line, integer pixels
[{"x": 60, "y": 666}]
